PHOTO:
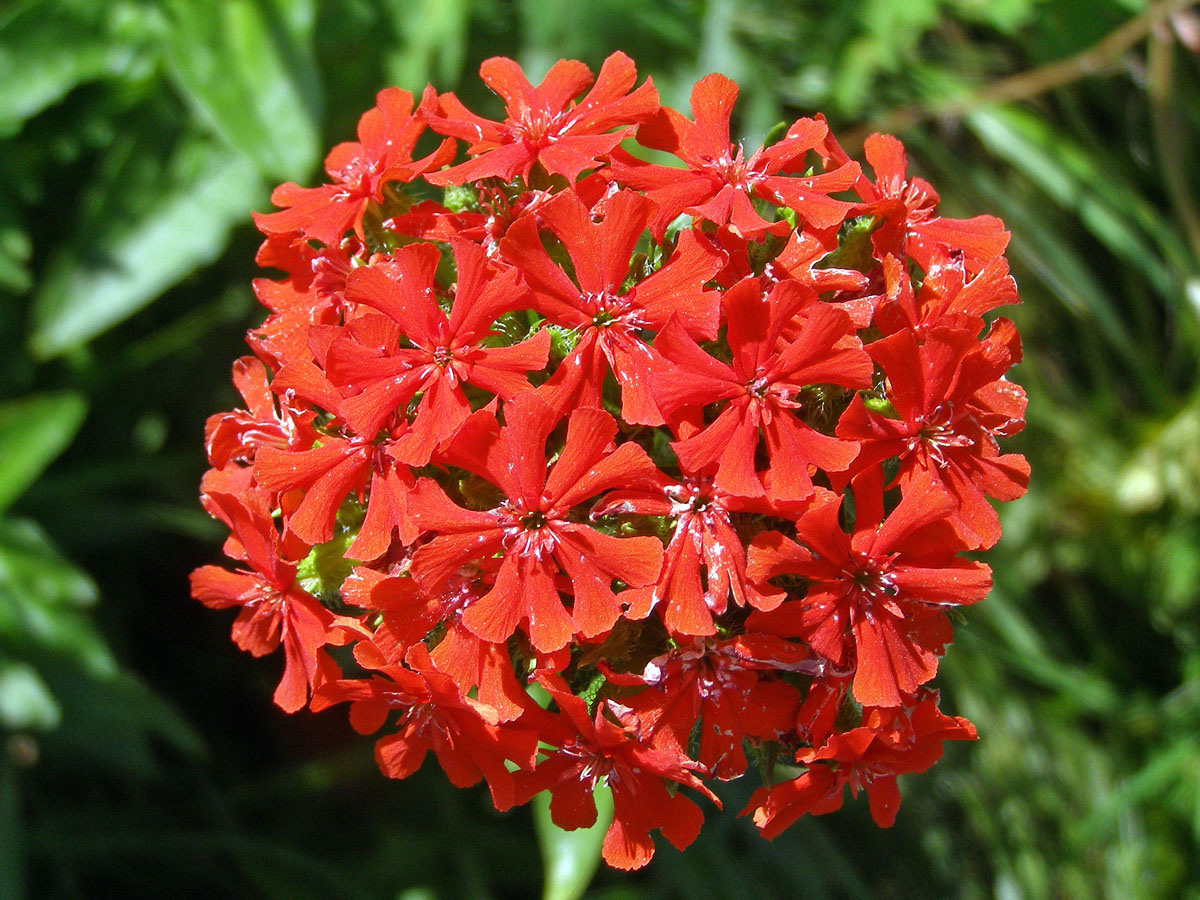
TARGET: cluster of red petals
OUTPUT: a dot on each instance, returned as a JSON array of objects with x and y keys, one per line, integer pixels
[{"x": 600, "y": 471}]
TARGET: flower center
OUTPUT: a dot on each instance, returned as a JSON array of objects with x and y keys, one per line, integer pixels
[
  {"x": 731, "y": 168},
  {"x": 607, "y": 309},
  {"x": 936, "y": 432},
  {"x": 872, "y": 578},
  {"x": 534, "y": 520}
]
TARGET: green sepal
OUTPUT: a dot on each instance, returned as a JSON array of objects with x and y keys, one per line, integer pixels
[
  {"x": 562, "y": 340},
  {"x": 854, "y": 249},
  {"x": 326, "y": 567},
  {"x": 777, "y": 133}
]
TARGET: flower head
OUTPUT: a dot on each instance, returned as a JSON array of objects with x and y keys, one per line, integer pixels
[{"x": 607, "y": 473}]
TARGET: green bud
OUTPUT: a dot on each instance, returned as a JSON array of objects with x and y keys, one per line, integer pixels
[
  {"x": 881, "y": 405},
  {"x": 562, "y": 340},
  {"x": 461, "y": 198}
]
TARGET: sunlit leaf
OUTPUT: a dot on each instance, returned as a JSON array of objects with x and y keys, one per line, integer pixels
[
  {"x": 1106, "y": 204},
  {"x": 25, "y": 701},
  {"x": 33, "y": 431},
  {"x": 111, "y": 268},
  {"x": 48, "y": 47},
  {"x": 247, "y": 67},
  {"x": 432, "y": 34},
  {"x": 15, "y": 250},
  {"x": 44, "y": 601}
]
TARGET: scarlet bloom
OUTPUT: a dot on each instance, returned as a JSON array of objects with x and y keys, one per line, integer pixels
[
  {"x": 543, "y": 125},
  {"x": 908, "y": 208},
  {"x": 329, "y": 473},
  {"x": 359, "y": 172},
  {"x": 869, "y": 757},
  {"x": 273, "y": 610},
  {"x": 726, "y": 688},
  {"x": 948, "y": 295},
  {"x": 607, "y": 316},
  {"x": 434, "y": 714},
  {"x": 532, "y": 527},
  {"x": 705, "y": 561},
  {"x": 758, "y": 389},
  {"x": 951, "y": 404},
  {"x": 237, "y": 435},
  {"x": 720, "y": 181},
  {"x": 625, "y": 432},
  {"x": 596, "y": 749},
  {"x": 875, "y": 596},
  {"x": 446, "y": 353}
]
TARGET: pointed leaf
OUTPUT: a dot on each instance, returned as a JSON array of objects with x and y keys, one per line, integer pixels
[
  {"x": 247, "y": 67},
  {"x": 117, "y": 262},
  {"x": 33, "y": 431},
  {"x": 48, "y": 47},
  {"x": 43, "y": 600}
]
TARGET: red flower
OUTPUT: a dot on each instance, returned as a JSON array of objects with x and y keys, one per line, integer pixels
[
  {"x": 328, "y": 474},
  {"x": 238, "y": 435},
  {"x": 719, "y": 181},
  {"x": 542, "y": 126},
  {"x": 948, "y": 296},
  {"x": 472, "y": 422},
  {"x": 273, "y": 609},
  {"x": 880, "y": 589},
  {"x": 705, "y": 560},
  {"x": 868, "y": 757},
  {"x": 446, "y": 353},
  {"x": 408, "y": 615},
  {"x": 801, "y": 259},
  {"x": 606, "y": 317},
  {"x": 908, "y": 207},
  {"x": 726, "y": 687},
  {"x": 758, "y": 389},
  {"x": 436, "y": 715},
  {"x": 539, "y": 542},
  {"x": 387, "y": 135},
  {"x": 951, "y": 403},
  {"x": 597, "y": 750}
]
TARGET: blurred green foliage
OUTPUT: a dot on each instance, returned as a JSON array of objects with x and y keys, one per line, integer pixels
[{"x": 140, "y": 751}]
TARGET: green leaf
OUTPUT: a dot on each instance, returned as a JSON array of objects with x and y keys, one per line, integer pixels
[
  {"x": 432, "y": 41},
  {"x": 48, "y": 47},
  {"x": 25, "y": 701},
  {"x": 247, "y": 68},
  {"x": 15, "y": 250},
  {"x": 119, "y": 259},
  {"x": 33, "y": 431},
  {"x": 1107, "y": 204},
  {"x": 44, "y": 600},
  {"x": 571, "y": 857}
]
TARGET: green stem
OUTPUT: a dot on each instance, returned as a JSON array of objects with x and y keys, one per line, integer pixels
[{"x": 570, "y": 858}]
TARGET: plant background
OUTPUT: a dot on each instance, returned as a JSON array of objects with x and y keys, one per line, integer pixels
[{"x": 139, "y": 750}]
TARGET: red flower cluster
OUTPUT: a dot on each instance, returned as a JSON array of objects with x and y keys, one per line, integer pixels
[{"x": 689, "y": 454}]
